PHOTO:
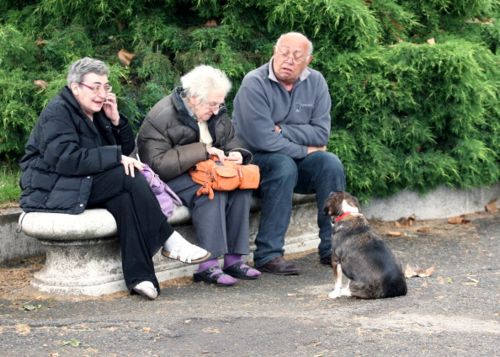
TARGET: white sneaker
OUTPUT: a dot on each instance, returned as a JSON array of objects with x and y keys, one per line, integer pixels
[
  {"x": 147, "y": 289},
  {"x": 177, "y": 247}
]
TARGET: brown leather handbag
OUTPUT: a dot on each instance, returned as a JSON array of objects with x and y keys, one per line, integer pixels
[{"x": 213, "y": 174}]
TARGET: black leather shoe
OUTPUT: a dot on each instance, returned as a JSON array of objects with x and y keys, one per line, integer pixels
[
  {"x": 279, "y": 266},
  {"x": 326, "y": 260}
]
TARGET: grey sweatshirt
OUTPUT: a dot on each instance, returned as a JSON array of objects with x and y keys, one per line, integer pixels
[{"x": 303, "y": 114}]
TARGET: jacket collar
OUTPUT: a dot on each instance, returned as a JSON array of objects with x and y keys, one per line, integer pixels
[
  {"x": 68, "y": 96},
  {"x": 303, "y": 76},
  {"x": 99, "y": 117}
]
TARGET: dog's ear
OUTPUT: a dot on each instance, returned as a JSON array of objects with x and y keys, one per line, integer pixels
[
  {"x": 353, "y": 200},
  {"x": 332, "y": 203}
]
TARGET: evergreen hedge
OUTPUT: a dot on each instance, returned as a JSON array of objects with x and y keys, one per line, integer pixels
[{"x": 414, "y": 84}]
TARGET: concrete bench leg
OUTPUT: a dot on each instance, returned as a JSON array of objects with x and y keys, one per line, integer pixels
[{"x": 89, "y": 267}]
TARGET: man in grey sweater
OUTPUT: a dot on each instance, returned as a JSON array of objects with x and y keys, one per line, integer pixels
[{"x": 282, "y": 113}]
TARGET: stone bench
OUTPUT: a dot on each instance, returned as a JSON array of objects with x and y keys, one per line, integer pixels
[{"x": 83, "y": 254}]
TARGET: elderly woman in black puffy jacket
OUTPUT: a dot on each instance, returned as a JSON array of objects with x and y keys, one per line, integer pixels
[
  {"x": 76, "y": 157},
  {"x": 181, "y": 130}
]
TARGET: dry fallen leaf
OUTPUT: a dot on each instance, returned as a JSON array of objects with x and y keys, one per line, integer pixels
[
  {"x": 213, "y": 330},
  {"x": 72, "y": 342},
  {"x": 405, "y": 221},
  {"x": 41, "y": 83},
  {"x": 410, "y": 271},
  {"x": 471, "y": 281},
  {"x": 31, "y": 307},
  {"x": 394, "y": 234},
  {"x": 491, "y": 206},
  {"x": 458, "y": 220},
  {"x": 125, "y": 57},
  {"x": 146, "y": 329},
  {"x": 210, "y": 23},
  {"x": 40, "y": 42},
  {"x": 23, "y": 329},
  {"x": 424, "y": 230},
  {"x": 431, "y": 41}
]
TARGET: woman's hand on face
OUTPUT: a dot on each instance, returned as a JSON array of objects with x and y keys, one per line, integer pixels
[
  {"x": 217, "y": 152},
  {"x": 130, "y": 164},
  {"x": 236, "y": 157},
  {"x": 110, "y": 108}
]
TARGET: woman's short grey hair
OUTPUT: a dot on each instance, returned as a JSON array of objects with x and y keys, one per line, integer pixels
[
  {"x": 203, "y": 80},
  {"x": 298, "y": 34},
  {"x": 84, "y": 66}
]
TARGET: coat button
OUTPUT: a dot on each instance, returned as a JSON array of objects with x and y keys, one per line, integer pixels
[
  {"x": 88, "y": 177},
  {"x": 81, "y": 205}
]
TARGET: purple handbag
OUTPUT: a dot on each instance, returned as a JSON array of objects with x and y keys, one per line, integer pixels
[{"x": 164, "y": 194}]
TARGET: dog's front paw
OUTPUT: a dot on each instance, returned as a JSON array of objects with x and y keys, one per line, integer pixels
[
  {"x": 335, "y": 294},
  {"x": 345, "y": 291}
]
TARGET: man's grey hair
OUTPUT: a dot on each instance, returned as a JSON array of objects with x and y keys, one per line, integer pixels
[
  {"x": 298, "y": 34},
  {"x": 204, "y": 80},
  {"x": 84, "y": 66}
]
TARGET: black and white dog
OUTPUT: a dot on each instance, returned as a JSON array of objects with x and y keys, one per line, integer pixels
[{"x": 358, "y": 253}]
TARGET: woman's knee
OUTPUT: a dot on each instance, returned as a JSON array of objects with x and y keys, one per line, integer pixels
[
  {"x": 135, "y": 183},
  {"x": 244, "y": 196}
]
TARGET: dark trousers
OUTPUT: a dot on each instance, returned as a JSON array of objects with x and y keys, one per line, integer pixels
[
  {"x": 221, "y": 224},
  {"x": 319, "y": 173},
  {"x": 142, "y": 227}
]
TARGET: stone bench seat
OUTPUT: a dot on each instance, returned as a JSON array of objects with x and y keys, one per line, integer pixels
[{"x": 83, "y": 253}]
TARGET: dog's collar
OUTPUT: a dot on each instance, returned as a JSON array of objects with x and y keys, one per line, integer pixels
[{"x": 342, "y": 216}]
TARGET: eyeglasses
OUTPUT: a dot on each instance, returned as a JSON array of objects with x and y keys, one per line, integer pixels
[
  {"x": 215, "y": 105},
  {"x": 97, "y": 87},
  {"x": 297, "y": 58}
]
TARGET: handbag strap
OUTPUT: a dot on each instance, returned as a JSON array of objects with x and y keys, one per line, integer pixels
[{"x": 244, "y": 150}]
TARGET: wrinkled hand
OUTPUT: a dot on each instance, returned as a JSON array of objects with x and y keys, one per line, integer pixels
[
  {"x": 110, "y": 108},
  {"x": 217, "y": 152},
  {"x": 130, "y": 164},
  {"x": 235, "y": 156},
  {"x": 311, "y": 149}
]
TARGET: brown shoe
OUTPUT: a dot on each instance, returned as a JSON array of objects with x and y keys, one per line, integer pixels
[{"x": 279, "y": 266}]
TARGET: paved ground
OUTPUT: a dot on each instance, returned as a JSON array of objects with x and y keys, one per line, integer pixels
[{"x": 454, "y": 312}]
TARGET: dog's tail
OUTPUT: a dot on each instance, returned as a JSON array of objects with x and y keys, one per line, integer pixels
[{"x": 390, "y": 286}]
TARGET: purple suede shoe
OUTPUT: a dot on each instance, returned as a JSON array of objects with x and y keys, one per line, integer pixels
[
  {"x": 214, "y": 275},
  {"x": 242, "y": 271}
]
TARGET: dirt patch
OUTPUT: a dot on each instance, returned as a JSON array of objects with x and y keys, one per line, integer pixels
[
  {"x": 15, "y": 276},
  {"x": 8, "y": 205}
]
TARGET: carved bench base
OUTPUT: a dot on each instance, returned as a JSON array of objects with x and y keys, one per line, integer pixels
[{"x": 83, "y": 254}]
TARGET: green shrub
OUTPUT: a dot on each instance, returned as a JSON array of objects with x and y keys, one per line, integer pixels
[
  {"x": 342, "y": 24},
  {"x": 9, "y": 186},
  {"x": 66, "y": 46},
  {"x": 16, "y": 49},
  {"x": 418, "y": 110},
  {"x": 405, "y": 114},
  {"x": 17, "y": 95}
]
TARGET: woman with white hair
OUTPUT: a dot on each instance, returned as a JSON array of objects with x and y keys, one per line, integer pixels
[
  {"x": 77, "y": 157},
  {"x": 186, "y": 127}
]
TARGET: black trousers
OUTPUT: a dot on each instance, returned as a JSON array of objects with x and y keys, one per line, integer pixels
[{"x": 142, "y": 227}]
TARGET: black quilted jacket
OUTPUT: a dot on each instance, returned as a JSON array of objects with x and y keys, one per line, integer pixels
[{"x": 64, "y": 151}]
